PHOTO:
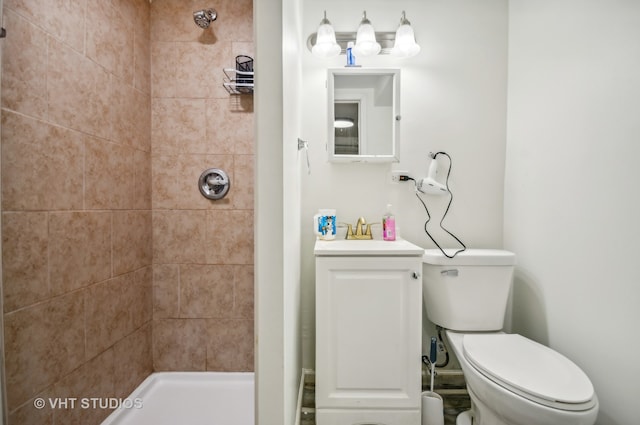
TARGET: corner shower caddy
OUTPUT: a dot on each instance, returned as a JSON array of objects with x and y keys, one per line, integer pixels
[{"x": 240, "y": 79}]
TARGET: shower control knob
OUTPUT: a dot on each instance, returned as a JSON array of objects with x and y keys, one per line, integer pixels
[{"x": 214, "y": 184}]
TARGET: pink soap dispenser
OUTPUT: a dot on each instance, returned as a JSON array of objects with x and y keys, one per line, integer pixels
[{"x": 389, "y": 225}]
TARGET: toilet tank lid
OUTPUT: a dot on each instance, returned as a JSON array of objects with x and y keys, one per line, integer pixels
[{"x": 470, "y": 257}]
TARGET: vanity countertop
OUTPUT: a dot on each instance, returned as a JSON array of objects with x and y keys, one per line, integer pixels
[{"x": 366, "y": 247}]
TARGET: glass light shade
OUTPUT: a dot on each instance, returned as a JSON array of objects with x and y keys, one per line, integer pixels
[
  {"x": 405, "y": 45},
  {"x": 366, "y": 44},
  {"x": 326, "y": 45}
]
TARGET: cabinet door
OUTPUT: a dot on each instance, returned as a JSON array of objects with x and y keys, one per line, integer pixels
[{"x": 368, "y": 330}]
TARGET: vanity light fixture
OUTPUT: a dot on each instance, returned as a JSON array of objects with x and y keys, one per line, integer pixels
[
  {"x": 366, "y": 44},
  {"x": 343, "y": 122},
  {"x": 326, "y": 45},
  {"x": 405, "y": 45}
]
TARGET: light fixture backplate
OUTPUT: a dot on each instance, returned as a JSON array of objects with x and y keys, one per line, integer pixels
[{"x": 386, "y": 40}]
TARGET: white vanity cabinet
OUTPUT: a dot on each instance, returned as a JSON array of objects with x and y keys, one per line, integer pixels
[{"x": 368, "y": 330}]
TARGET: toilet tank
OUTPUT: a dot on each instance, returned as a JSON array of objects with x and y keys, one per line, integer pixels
[{"x": 468, "y": 292}]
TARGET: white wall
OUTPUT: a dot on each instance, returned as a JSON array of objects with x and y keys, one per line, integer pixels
[
  {"x": 277, "y": 212},
  {"x": 292, "y": 44},
  {"x": 453, "y": 99},
  {"x": 572, "y": 196}
]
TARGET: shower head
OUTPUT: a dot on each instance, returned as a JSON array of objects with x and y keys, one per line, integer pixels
[{"x": 204, "y": 17}]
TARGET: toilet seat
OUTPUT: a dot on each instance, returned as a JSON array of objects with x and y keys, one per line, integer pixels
[{"x": 529, "y": 369}]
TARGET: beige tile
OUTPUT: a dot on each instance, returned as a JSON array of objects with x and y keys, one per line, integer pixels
[
  {"x": 242, "y": 194},
  {"x": 164, "y": 72},
  {"x": 141, "y": 299},
  {"x": 230, "y": 345},
  {"x": 242, "y": 103},
  {"x": 41, "y": 165},
  {"x": 166, "y": 291},
  {"x": 79, "y": 249},
  {"x": 142, "y": 190},
  {"x": 176, "y": 181},
  {"x": 25, "y": 243},
  {"x": 131, "y": 116},
  {"x": 115, "y": 308},
  {"x": 243, "y": 292},
  {"x": 94, "y": 379},
  {"x": 238, "y": 22},
  {"x": 172, "y": 20},
  {"x": 24, "y": 83},
  {"x": 42, "y": 343},
  {"x": 142, "y": 15},
  {"x": 109, "y": 176},
  {"x": 142, "y": 60},
  {"x": 179, "y": 237},
  {"x": 133, "y": 361},
  {"x": 229, "y": 237},
  {"x": 243, "y": 48},
  {"x": 164, "y": 182},
  {"x": 27, "y": 414},
  {"x": 136, "y": 14},
  {"x": 187, "y": 70},
  {"x": 79, "y": 91},
  {"x": 110, "y": 39},
  {"x": 131, "y": 240},
  {"x": 64, "y": 19},
  {"x": 179, "y": 126},
  {"x": 106, "y": 315},
  {"x": 206, "y": 291},
  {"x": 230, "y": 125},
  {"x": 179, "y": 344}
]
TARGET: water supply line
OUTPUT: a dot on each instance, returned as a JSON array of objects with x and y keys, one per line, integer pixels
[{"x": 441, "y": 347}]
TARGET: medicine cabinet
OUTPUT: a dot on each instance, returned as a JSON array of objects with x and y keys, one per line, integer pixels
[{"x": 363, "y": 114}]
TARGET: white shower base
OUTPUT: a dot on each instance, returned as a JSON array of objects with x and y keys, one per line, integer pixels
[{"x": 190, "y": 398}]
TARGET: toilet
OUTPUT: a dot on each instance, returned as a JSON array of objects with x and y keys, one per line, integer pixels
[{"x": 511, "y": 380}]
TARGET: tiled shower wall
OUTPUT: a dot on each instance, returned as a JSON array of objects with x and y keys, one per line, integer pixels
[
  {"x": 76, "y": 204},
  {"x": 78, "y": 190},
  {"x": 202, "y": 249}
]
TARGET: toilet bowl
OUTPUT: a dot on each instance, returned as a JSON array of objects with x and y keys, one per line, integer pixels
[
  {"x": 515, "y": 381},
  {"x": 511, "y": 380}
]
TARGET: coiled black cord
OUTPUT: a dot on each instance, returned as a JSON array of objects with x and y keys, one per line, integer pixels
[{"x": 464, "y": 247}]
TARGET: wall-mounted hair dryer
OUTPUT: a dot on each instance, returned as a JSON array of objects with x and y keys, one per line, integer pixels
[{"x": 429, "y": 184}]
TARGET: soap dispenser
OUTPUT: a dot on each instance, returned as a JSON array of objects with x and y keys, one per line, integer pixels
[{"x": 389, "y": 225}]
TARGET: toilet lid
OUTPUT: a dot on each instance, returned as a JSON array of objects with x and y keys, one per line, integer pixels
[{"x": 530, "y": 369}]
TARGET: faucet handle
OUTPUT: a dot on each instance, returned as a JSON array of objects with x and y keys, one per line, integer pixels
[
  {"x": 368, "y": 231},
  {"x": 349, "y": 231}
]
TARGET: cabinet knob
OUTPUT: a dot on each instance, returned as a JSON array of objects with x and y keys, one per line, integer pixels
[{"x": 415, "y": 275}]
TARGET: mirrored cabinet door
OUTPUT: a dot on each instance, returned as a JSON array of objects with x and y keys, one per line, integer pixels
[{"x": 363, "y": 115}]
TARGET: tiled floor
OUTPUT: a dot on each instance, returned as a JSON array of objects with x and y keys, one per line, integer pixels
[{"x": 450, "y": 385}]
